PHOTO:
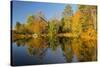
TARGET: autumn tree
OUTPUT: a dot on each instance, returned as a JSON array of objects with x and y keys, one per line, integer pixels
[
  {"x": 67, "y": 19},
  {"x": 88, "y": 16},
  {"x": 36, "y": 23},
  {"x": 29, "y": 24},
  {"x": 88, "y": 21}
]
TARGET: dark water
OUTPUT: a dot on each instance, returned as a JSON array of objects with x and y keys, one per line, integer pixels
[{"x": 35, "y": 51}]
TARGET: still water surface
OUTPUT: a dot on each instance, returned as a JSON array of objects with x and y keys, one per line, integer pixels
[{"x": 35, "y": 51}]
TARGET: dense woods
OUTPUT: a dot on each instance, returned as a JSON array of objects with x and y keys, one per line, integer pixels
[{"x": 81, "y": 24}]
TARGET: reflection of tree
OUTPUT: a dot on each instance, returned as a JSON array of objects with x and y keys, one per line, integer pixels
[
  {"x": 38, "y": 53},
  {"x": 84, "y": 50},
  {"x": 52, "y": 32},
  {"x": 21, "y": 42},
  {"x": 37, "y": 47},
  {"x": 87, "y": 51},
  {"x": 67, "y": 49},
  {"x": 53, "y": 43}
]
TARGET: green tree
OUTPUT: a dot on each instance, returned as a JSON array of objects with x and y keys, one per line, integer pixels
[
  {"x": 52, "y": 28},
  {"x": 68, "y": 11},
  {"x": 67, "y": 19},
  {"x": 30, "y": 19},
  {"x": 18, "y": 26}
]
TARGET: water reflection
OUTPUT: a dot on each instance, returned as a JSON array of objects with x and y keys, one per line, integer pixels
[{"x": 70, "y": 49}]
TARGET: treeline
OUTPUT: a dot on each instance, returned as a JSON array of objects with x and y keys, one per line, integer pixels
[{"x": 82, "y": 22}]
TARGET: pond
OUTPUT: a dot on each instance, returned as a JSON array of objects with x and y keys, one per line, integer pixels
[{"x": 33, "y": 51}]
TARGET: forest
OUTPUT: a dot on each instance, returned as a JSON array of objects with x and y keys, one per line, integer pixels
[{"x": 81, "y": 24}]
